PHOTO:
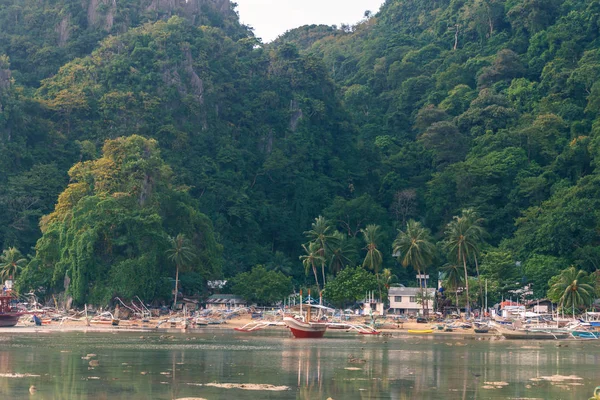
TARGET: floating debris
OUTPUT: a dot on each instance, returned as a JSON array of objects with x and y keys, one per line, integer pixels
[
  {"x": 15, "y": 375},
  {"x": 32, "y": 389},
  {"x": 244, "y": 386},
  {"x": 353, "y": 369},
  {"x": 557, "y": 378},
  {"x": 497, "y": 383}
]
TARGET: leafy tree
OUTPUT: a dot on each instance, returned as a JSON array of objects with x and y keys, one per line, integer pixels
[
  {"x": 349, "y": 286},
  {"x": 261, "y": 286},
  {"x": 181, "y": 254},
  {"x": 107, "y": 234},
  {"x": 415, "y": 248}
]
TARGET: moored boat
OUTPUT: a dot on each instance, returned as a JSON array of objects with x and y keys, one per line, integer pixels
[
  {"x": 305, "y": 330},
  {"x": 9, "y": 314},
  {"x": 420, "y": 331},
  {"x": 533, "y": 334}
]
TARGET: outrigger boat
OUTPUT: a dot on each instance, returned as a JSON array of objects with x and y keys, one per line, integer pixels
[
  {"x": 9, "y": 313},
  {"x": 533, "y": 333}
]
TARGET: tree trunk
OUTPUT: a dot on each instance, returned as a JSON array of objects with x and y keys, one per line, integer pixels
[
  {"x": 468, "y": 305},
  {"x": 457, "y": 307},
  {"x": 479, "y": 281},
  {"x": 323, "y": 272},
  {"x": 316, "y": 276},
  {"x": 423, "y": 299},
  {"x": 379, "y": 287},
  {"x": 176, "y": 288}
]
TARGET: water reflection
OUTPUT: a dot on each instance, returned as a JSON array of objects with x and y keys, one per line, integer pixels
[{"x": 344, "y": 367}]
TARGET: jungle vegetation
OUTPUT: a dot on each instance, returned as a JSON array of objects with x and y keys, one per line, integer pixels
[{"x": 125, "y": 124}]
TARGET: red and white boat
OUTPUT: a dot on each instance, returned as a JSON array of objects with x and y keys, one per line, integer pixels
[
  {"x": 305, "y": 330},
  {"x": 9, "y": 313}
]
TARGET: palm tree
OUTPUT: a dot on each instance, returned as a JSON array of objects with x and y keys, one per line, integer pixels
[
  {"x": 416, "y": 249},
  {"x": 453, "y": 279},
  {"x": 386, "y": 278},
  {"x": 373, "y": 259},
  {"x": 462, "y": 240},
  {"x": 342, "y": 253},
  {"x": 310, "y": 258},
  {"x": 181, "y": 253},
  {"x": 574, "y": 287},
  {"x": 478, "y": 234},
  {"x": 324, "y": 235},
  {"x": 11, "y": 262}
]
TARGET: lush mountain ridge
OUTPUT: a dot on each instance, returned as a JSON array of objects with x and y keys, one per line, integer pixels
[{"x": 418, "y": 112}]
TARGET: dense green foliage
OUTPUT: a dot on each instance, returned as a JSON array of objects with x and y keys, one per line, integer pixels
[
  {"x": 262, "y": 287},
  {"x": 108, "y": 234},
  {"x": 350, "y": 285},
  {"x": 420, "y": 111}
]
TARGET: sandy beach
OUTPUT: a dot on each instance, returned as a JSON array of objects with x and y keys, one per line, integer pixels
[{"x": 163, "y": 324}]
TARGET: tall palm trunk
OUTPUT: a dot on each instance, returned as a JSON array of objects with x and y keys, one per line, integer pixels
[
  {"x": 468, "y": 304},
  {"x": 456, "y": 294},
  {"x": 316, "y": 276},
  {"x": 379, "y": 287},
  {"x": 423, "y": 299},
  {"x": 323, "y": 272},
  {"x": 479, "y": 282},
  {"x": 176, "y": 288}
]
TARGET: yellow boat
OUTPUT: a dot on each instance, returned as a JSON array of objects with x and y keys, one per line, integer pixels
[{"x": 420, "y": 331}]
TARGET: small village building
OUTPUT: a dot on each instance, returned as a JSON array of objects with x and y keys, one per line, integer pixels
[
  {"x": 403, "y": 300},
  {"x": 225, "y": 302},
  {"x": 543, "y": 306}
]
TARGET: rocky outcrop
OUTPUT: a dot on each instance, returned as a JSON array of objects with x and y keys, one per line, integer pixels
[
  {"x": 5, "y": 78},
  {"x": 63, "y": 30},
  {"x": 101, "y": 13}
]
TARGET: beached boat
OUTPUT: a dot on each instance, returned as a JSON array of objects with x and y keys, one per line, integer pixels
[
  {"x": 533, "y": 334},
  {"x": 305, "y": 330},
  {"x": 420, "y": 331},
  {"x": 583, "y": 334},
  {"x": 9, "y": 314}
]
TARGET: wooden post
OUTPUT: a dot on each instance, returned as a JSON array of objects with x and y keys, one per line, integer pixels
[{"x": 87, "y": 321}]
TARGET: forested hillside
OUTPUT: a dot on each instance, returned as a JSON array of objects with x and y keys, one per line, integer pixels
[{"x": 421, "y": 111}]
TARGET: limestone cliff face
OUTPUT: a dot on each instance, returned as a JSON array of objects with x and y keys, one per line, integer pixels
[{"x": 102, "y": 14}]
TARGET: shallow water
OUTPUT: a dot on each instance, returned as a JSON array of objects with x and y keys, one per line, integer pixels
[{"x": 134, "y": 366}]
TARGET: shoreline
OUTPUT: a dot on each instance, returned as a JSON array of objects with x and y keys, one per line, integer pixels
[{"x": 153, "y": 326}]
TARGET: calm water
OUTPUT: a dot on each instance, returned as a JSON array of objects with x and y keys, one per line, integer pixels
[{"x": 176, "y": 365}]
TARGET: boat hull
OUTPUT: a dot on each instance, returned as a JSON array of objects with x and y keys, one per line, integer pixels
[
  {"x": 9, "y": 319},
  {"x": 420, "y": 331},
  {"x": 303, "y": 330}
]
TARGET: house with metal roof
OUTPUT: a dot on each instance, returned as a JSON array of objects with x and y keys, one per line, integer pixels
[{"x": 225, "y": 302}]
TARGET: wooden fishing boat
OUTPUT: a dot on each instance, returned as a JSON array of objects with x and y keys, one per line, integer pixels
[
  {"x": 420, "y": 331},
  {"x": 9, "y": 314},
  {"x": 533, "y": 334},
  {"x": 585, "y": 334},
  {"x": 305, "y": 330}
]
